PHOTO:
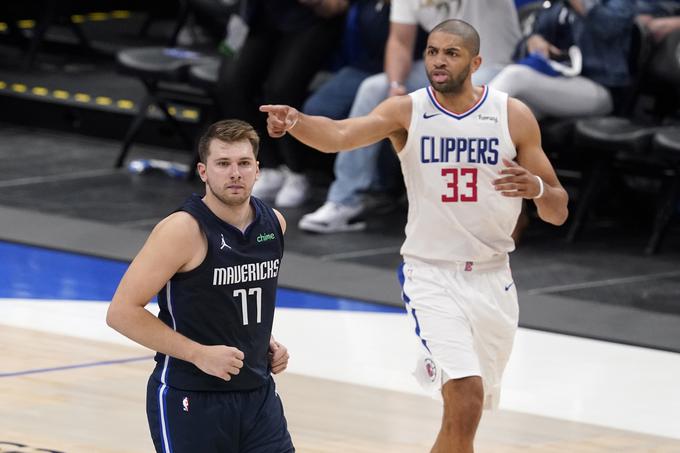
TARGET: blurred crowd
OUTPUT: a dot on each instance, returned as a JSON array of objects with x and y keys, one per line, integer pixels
[
  {"x": 568, "y": 58},
  {"x": 341, "y": 58}
]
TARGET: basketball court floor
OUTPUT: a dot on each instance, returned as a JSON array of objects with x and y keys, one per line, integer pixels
[
  {"x": 71, "y": 384},
  {"x": 596, "y": 364}
]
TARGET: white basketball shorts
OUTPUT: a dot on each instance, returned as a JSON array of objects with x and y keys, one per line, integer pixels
[{"x": 465, "y": 317}]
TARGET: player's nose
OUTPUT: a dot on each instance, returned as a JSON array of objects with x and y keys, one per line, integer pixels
[{"x": 234, "y": 171}]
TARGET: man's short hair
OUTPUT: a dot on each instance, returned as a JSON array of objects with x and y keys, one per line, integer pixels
[
  {"x": 464, "y": 30},
  {"x": 228, "y": 131}
]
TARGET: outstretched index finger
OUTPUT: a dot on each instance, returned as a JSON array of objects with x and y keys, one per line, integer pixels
[{"x": 271, "y": 108}]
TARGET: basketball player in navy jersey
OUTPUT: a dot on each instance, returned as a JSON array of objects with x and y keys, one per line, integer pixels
[
  {"x": 469, "y": 155},
  {"x": 214, "y": 265}
]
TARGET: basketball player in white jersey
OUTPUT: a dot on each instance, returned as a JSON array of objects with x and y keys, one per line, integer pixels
[{"x": 469, "y": 156}]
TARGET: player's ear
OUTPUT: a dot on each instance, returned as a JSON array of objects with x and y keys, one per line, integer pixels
[
  {"x": 201, "y": 171},
  {"x": 476, "y": 62}
]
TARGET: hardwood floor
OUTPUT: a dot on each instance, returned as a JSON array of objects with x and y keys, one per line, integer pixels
[{"x": 97, "y": 405}]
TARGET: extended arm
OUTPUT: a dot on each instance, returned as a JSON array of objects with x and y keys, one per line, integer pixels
[
  {"x": 170, "y": 248},
  {"x": 330, "y": 136},
  {"x": 520, "y": 179}
]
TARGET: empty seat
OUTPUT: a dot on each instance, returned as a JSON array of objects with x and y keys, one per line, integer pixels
[
  {"x": 666, "y": 145},
  {"x": 154, "y": 66}
]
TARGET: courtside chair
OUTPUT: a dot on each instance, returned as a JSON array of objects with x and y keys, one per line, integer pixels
[
  {"x": 183, "y": 16},
  {"x": 53, "y": 12},
  {"x": 599, "y": 140},
  {"x": 666, "y": 144},
  {"x": 164, "y": 73},
  {"x": 167, "y": 76}
]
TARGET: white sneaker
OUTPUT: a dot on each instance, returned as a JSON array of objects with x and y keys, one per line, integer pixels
[
  {"x": 333, "y": 218},
  {"x": 294, "y": 191},
  {"x": 268, "y": 184}
]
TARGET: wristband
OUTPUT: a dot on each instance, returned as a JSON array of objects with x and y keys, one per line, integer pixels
[
  {"x": 541, "y": 187},
  {"x": 294, "y": 123},
  {"x": 395, "y": 84}
]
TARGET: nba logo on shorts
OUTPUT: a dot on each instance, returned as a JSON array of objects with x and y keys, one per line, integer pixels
[
  {"x": 468, "y": 266},
  {"x": 430, "y": 369},
  {"x": 185, "y": 404}
]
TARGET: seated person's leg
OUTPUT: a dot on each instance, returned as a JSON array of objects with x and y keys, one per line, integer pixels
[
  {"x": 332, "y": 99},
  {"x": 335, "y": 97},
  {"x": 353, "y": 171},
  {"x": 553, "y": 96},
  {"x": 240, "y": 79},
  {"x": 300, "y": 55}
]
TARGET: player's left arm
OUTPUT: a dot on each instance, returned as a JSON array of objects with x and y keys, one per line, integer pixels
[
  {"x": 532, "y": 169},
  {"x": 278, "y": 353},
  {"x": 282, "y": 220}
]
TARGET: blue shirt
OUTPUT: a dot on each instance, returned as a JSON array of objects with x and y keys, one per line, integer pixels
[{"x": 603, "y": 35}]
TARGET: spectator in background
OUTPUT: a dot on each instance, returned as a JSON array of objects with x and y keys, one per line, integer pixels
[
  {"x": 497, "y": 23},
  {"x": 661, "y": 17},
  {"x": 601, "y": 30},
  {"x": 363, "y": 52},
  {"x": 288, "y": 42}
]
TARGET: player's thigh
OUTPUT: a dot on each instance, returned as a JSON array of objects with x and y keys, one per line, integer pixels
[
  {"x": 187, "y": 422},
  {"x": 442, "y": 327},
  {"x": 265, "y": 429},
  {"x": 493, "y": 310}
]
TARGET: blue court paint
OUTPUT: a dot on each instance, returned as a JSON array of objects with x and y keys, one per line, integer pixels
[{"x": 28, "y": 272}]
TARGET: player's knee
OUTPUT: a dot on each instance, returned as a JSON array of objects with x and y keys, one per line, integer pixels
[
  {"x": 511, "y": 79},
  {"x": 464, "y": 395}
]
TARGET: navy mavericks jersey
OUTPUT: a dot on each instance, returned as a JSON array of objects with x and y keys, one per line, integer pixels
[{"x": 227, "y": 300}]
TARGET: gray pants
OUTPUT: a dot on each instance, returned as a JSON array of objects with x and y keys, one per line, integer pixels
[{"x": 553, "y": 96}]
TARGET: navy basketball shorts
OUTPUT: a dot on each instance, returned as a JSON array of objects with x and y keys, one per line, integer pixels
[{"x": 217, "y": 422}]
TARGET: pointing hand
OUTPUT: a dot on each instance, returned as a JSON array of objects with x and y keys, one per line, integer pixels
[{"x": 280, "y": 119}]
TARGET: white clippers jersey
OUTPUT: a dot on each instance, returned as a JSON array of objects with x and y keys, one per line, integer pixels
[{"x": 449, "y": 163}]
